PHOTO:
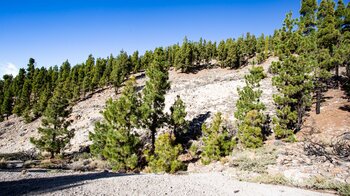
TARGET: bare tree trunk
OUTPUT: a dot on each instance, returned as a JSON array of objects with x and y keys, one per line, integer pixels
[
  {"x": 337, "y": 75},
  {"x": 153, "y": 130},
  {"x": 153, "y": 139},
  {"x": 337, "y": 71},
  {"x": 300, "y": 116},
  {"x": 318, "y": 100}
]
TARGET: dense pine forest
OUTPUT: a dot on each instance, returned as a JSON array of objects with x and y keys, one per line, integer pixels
[{"x": 311, "y": 50}]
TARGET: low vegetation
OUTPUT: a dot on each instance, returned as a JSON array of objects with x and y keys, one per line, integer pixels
[
  {"x": 256, "y": 160},
  {"x": 217, "y": 141}
]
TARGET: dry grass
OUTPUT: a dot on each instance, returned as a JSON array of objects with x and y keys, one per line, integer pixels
[
  {"x": 315, "y": 183},
  {"x": 254, "y": 160}
]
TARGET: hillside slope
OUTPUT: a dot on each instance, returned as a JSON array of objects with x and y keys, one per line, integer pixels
[{"x": 206, "y": 92}]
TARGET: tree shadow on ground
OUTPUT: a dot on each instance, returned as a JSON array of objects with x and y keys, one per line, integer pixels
[
  {"x": 345, "y": 86},
  {"x": 345, "y": 108},
  {"x": 197, "y": 68},
  {"x": 194, "y": 129},
  {"x": 36, "y": 186}
]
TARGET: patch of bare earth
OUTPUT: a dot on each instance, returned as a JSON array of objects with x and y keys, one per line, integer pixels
[
  {"x": 333, "y": 120},
  {"x": 319, "y": 151}
]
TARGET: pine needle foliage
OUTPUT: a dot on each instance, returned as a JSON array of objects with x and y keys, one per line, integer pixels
[
  {"x": 153, "y": 94},
  {"x": 114, "y": 138},
  {"x": 54, "y": 132},
  {"x": 249, "y": 113},
  {"x": 178, "y": 119},
  {"x": 165, "y": 156},
  {"x": 217, "y": 141}
]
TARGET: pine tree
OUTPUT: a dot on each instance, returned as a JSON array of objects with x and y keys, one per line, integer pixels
[
  {"x": 250, "y": 43},
  {"x": 121, "y": 69},
  {"x": 87, "y": 80},
  {"x": 249, "y": 113},
  {"x": 177, "y": 118},
  {"x": 23, "y": 99},
  {"x": 308, "y": 16},
  {"x": 44, "y": 97},
  {"x": 346, "y": 22},
  {"x": 98, "y": 71},
  {"x": 232, "y": 59},
  {"x": 2, "y": 90},
  {"x": 327, "y": 38},
  {"x": 242, "y": 55},
  {"x": 222, "y": 52},
  {"x": 262, "y": 48},
  {"x": 18, "y": 83},
  {"x": 31, "y": 69},
  {"x": 340, "y": 15},
  {"x": 327, "y": 33},
  {"x": 6, "y": 107},
  {"x": 37, "y": 84},
  {"x": 165, "y": 157},
  {"x": 114, "y": 138},
  {"x": 54, "y": 131},
  {"x": 184, "y": 56},
  {"x": 146, "y": 59},
  {"x": 217, "y": 141},
  {"x": 211, "y": 51},
  {"x": 135, "y": 61},
  {"x": 153, "y": 95},
  {"x": 294, "y": 83},
  {"x": 106, "y": 77}
]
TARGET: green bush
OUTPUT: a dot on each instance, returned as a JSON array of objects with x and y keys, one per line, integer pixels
[
  {"x": 250, "y": 132},
  {"x": 165, "y": 158},
  {"x": 121, "y": 149},
  {"x": 217, "y": 142}
]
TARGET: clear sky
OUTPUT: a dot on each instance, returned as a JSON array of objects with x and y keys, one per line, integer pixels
[{"x": 53, "y": 31}]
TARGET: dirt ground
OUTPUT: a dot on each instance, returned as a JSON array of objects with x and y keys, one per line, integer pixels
[{"x": 333, "y": 120}]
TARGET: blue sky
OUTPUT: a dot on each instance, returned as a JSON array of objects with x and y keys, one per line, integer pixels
[{"x": 53, "y": 31}]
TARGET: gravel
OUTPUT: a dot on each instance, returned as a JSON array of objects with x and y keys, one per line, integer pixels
[{"x": 73, "y": 183}]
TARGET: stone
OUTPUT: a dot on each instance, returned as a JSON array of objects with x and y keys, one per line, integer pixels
[
  {"x": 347, "y": 180},
  {"x": 24, "y": 172},
  {"x": 296, "y": 175}
]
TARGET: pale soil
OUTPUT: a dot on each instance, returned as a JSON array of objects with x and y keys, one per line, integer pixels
[
  {"x": 206, "y": 92},
  {"x": 36, "y": 183}
]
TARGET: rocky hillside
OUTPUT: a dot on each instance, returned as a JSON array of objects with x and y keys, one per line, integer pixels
[{"x": 205, "y": 92}]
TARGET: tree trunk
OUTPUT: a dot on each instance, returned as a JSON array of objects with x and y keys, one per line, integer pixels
[
  {"x": 318, "y": 100},
  {"x": 337, "y": 75},
  {"x": 153, "y": 139},
  {"x": 53, "y": 141},
  {"x": 300, "y": 116},
  {"x": 337, "y": 71}
]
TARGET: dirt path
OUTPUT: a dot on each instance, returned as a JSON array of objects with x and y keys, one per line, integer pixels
[{"x": 41, "y": 183}]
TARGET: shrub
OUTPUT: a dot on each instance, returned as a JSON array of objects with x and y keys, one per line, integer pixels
[
  {"x": 217, "y": 142},
  {"x": 165, "y": 158}
]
